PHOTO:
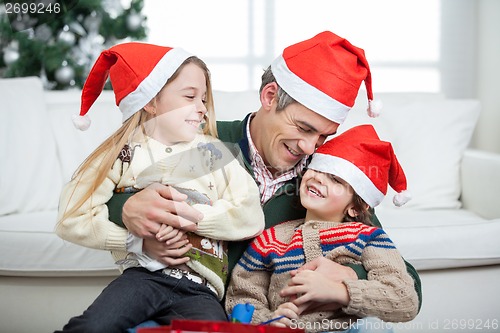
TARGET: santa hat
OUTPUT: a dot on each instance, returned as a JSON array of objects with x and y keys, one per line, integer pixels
[
  {"x": 365, "y": 162},
  {"x": 138, "y": 71},
  {"x": 324, "y": 74}
]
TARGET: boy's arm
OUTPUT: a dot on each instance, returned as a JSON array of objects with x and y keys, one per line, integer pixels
[
  {"x": 361, "y": 272},
  {"x": 249, "y": 287},
  {"x": 389, "y": 292}
]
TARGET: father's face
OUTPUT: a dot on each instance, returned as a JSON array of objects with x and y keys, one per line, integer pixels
[{"x": 292, "y": 133}]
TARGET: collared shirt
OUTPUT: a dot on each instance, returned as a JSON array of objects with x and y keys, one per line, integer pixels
[{"x": 268, "y": 185}]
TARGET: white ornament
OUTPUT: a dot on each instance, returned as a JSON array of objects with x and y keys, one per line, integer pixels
[
  {"x": 134, "y": 21},
  {"x": 43, "y": 32},
  {"x": 11, "y": 53},
  {"x": 77, "y": 28},
  {"x": 10, "y": 56},
  {"x": 67, "y": 37},
  {"x": 113, "y": 7},
  {"x": 92, "y": 22},
  {"x": 64, "y": 74}
]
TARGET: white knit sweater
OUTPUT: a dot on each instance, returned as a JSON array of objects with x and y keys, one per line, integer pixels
[{"x": 205, "y": 165}]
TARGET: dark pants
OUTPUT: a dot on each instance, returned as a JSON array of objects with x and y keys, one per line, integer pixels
[{"x": 139, "y": 295}]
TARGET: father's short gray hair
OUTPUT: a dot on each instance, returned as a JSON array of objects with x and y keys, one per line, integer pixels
[{"x": 283, "y": 98}]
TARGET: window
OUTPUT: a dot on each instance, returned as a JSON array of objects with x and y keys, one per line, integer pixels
[{"x": 238, "y": 39}]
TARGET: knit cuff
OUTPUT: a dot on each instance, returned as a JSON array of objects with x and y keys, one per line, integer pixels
[
  {"x": 117, "y": 239},
  {"x": 355, "y": 305}
]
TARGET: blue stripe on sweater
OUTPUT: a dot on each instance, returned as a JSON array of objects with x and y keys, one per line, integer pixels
[
  {"x": 268, "y": 260},
  {"x": 272, "y": 260}
]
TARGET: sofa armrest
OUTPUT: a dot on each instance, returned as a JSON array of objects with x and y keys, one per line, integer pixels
[{"x": 480, "y": 177}]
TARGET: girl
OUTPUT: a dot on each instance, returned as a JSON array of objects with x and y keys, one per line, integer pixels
[
  {"x": 346, "y": 176},
  {"x": 164, "y": 95}
]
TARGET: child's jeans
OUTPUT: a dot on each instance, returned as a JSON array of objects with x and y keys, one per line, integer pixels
[{"x": 139, "y": 295}]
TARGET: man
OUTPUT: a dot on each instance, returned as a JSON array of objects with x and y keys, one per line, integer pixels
[{"x": 305, "y": 95}]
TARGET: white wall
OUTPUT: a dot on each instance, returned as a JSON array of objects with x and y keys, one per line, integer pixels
[
  {"x": 487, "y": 135},
  {"x": 466, "y": 60}
]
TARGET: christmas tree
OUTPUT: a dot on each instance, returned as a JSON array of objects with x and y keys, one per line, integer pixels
[{"x": 61, "y": 42}]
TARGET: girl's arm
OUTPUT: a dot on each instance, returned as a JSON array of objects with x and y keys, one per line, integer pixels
[
  {"x": 89, "y": 225},
  {"x": 237, "y": 214}
]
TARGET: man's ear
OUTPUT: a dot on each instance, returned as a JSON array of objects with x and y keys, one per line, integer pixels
[
  {"x": 151, "y": 107},
  {"x": 268, "y": 95}
]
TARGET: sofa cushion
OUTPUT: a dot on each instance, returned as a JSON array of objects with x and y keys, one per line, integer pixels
[
  {"x": 429, "y": 137},
  {"x": 30, "y": 247},
  {"x": 442, "y": 238},
  {"x": 30, "y": 175}
]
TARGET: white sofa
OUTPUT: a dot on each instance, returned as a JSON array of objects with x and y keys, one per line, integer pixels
[{"x": 448, "y": 231}]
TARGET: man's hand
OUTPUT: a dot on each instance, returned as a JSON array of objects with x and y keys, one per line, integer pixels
[
  {"x": 145, "y": 212},
  {"x": 307, "y": 285},
  {"x": 313, "y": 291},
  {"x": 168, "y": 254},
  {"x": 329, "y": 268}
]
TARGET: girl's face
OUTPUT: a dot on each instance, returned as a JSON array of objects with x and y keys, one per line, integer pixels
[
  {"x": 179, "y": 107},
  {"x": 326, "y": 197}
]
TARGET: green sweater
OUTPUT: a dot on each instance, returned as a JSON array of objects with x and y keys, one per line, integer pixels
[{"x": 284, "y": 205}]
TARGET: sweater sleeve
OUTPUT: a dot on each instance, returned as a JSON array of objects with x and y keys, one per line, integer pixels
[
  {"x": 389, "y": 292},
  {"x": 250, "y": 285},
  {"x": 237, "y": 214},
  {"x": 89, "y": 225}
]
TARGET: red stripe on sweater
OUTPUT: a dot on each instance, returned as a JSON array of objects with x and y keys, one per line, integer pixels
[{"x": 345, "y": 233}]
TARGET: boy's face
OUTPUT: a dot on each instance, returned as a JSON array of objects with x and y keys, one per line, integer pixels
[
  {"x": 326, "y": 197},
  {"x": 179, "y": 107}
]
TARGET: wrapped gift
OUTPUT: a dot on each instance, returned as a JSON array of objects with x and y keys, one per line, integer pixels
[{"x": 200, "y": 326}]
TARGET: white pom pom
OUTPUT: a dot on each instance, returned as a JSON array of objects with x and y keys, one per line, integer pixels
[
  {"x": 374, "y": 108},
  {"x": 401, "y": 198},
  {"x": 81, "y": 122}
]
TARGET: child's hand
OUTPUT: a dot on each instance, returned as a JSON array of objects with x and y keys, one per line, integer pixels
[
  {"x": 170, "y": 235},
  {"x": 170, "y": 255},
  {"x": 289, "y": 311}
]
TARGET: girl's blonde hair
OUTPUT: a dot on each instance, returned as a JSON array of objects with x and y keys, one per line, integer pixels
[{"x": 110, "y": 149}]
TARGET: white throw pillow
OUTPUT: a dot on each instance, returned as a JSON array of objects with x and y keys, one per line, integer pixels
[
  {"x": 30, "y": 176},
  {"x": 429, "y": 136},
  {"x": 73, "y": 145}
]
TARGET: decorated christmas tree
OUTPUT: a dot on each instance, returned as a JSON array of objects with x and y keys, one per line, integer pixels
[{"x": 61, "y": 43}]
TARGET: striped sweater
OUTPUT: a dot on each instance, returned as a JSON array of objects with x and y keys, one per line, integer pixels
[{"x": 263, "y": 271}]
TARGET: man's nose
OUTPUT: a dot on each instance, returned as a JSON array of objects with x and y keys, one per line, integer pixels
[{"x": 309, "y": 144}]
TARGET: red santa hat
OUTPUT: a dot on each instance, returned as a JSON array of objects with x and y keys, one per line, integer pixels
[
  {"x": 138, "y": 71},
  {"x": 365, "y": 162},
  {"x": 324, "y": 74}
]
